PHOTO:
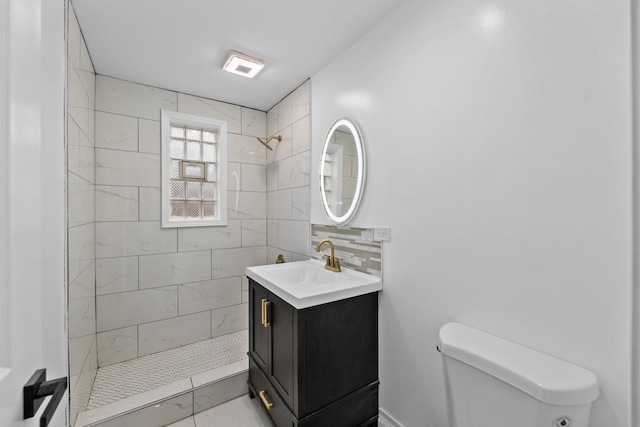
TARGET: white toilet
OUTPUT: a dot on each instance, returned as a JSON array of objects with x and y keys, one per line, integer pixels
[{"x": 492, "y": 382}]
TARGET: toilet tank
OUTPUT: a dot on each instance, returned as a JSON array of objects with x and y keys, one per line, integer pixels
[{"x": 492, "y": 382}]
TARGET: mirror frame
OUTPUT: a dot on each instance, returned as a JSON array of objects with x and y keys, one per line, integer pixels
[{"x": 361, "y": 179}]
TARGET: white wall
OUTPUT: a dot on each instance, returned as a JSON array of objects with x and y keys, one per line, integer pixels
[
  {"x": 499, "y": 152},
  {"x": 32, "y": 209}
]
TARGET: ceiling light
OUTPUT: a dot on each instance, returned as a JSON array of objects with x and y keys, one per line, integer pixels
[{"x": 243, "y": 65}]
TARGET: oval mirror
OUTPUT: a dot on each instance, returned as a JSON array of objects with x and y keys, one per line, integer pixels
[{"x": 342, "y": 171}]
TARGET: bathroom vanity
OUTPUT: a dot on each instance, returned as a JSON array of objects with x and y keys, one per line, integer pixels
[{"x": 313, "y": 361}]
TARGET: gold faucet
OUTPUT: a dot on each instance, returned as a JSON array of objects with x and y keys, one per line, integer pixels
[{"x": 333, "y": 263}]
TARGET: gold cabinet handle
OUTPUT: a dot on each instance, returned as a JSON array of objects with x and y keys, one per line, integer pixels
[
  {"x": 265, "y": 312},
  {"x": 266, "y": 402},
  {"x": 267, "y": 304}
]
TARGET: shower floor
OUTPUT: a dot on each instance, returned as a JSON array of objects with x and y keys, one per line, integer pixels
[{"x": 125, "y": 379}]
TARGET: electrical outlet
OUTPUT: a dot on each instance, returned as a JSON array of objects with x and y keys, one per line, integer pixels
[{"x": 381, "y": 234}]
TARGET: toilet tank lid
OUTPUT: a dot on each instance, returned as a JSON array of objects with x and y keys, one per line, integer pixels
[{"x": 544, "y": 377}]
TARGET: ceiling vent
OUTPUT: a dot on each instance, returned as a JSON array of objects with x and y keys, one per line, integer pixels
[{"x": 243, "y": 64}]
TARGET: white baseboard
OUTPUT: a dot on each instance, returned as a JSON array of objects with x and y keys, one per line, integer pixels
[{"x": 386, "y": 420}]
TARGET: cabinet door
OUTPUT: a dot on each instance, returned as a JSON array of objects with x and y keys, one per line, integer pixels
[
  {"x": 283, "y": 318},
  {"x": 258, "y": 332}
]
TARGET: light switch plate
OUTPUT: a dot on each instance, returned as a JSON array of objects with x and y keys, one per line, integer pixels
[{"x": 381, "y": 234}]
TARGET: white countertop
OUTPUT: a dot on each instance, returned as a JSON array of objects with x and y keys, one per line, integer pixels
[{"x": 305, "y": 284}]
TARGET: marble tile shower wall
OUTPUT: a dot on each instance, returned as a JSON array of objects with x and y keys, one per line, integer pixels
[
  {"x": 162, "y": 288},
  {"x": 288, "y": 177},
  {"x": 80, "y": 219}
]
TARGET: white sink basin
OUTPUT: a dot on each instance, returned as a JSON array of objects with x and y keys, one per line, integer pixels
[{"x": 307, "y": 283}]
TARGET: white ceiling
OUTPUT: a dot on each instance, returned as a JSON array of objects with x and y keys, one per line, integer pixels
[{"x": 181, "y": 44}]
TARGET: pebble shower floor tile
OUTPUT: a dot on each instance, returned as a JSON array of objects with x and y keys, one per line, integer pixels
[{"x": 125, "y": 379}]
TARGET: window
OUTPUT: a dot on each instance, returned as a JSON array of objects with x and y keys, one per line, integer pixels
[{"x": 194, "y": 171}]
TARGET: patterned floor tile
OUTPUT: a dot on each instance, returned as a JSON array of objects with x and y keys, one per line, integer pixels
[{"x": 125, "y": 379}]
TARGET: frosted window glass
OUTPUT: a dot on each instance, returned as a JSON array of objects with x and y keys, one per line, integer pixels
[
  {"x": 177, "y": 132},
  {"x": 208, "y": 152},
  {"x": 177, "y": 149},
  {"x": 177, "y": 209},
  {"x": 174, "y": 172},
  {"x": 193, "y": 210},
  {"x": 208, "y": 191},
  {"x": 194, "y": 190},
  {"x": 194, "y": 151},
  {"x": 211, "y": 172},
  {"x": 208, "y": 209},
  {"x": 208, "y": 136},
  {"x": 194, "y": 134},
  {"x": 177, "y": 190}
]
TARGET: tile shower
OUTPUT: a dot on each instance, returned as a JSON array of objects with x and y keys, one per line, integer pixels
[{"x": 136, "y": 289}]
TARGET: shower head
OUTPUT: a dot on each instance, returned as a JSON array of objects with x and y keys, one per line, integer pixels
[{"x": 266, "y": 143}]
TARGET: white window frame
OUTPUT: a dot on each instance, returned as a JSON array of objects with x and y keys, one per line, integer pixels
[{"x": 168, "y": 119}]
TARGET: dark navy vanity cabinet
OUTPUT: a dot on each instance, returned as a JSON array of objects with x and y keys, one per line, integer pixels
[{"x": 317, "y": 366}]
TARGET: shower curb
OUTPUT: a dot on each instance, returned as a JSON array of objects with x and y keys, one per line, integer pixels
[{"x": 173, "y": 402}]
